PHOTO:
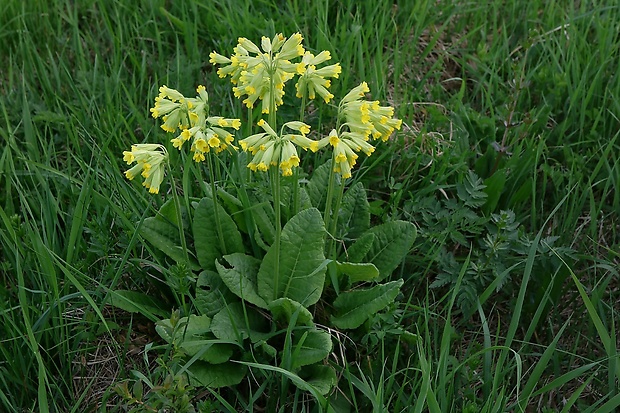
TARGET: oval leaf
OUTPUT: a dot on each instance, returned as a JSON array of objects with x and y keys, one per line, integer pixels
[
  {"x": 216, "y": 375},
  {"x": 362, "y": 271},
  {"x": 284, "y": 308},
  {"x": 206, "y": 240},
  {"x": 355, "y": 307},
  {"x": 311, "y": 347},
  {"x": 241, "y": 278},
  {"x": 302, "y": 264},
  {"x": 391, "y": 243}
]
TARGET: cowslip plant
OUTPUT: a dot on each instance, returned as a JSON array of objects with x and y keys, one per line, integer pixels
[{"x": 267, "y": 249}]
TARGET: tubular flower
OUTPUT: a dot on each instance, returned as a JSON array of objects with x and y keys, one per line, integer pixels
[
  {"x": 270, "y": 149},
  {"x": 173, "y": 108},
  {"x": 191, "y": 116},
  {"x": 346, "y": 147},
  {"x": 312, "y": 80},
  {"x": 150, "y": 162},
  {"x": 260, "y": 73},
  {"x": 367, "y": 118}
]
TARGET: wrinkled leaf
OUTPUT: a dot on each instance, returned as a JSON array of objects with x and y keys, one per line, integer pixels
[
  {"x": 353, "y": 308},
  {"x": 354, "y": 215},
  {"x": 358, "y": 250},
  {"x": 136, "y": 302},
  {"x": 284, "y": 308},
  {"x": 211, "y": 293},
  {"x": 164, "y": 236},
  {"x": 362, "y": 271},
  {"x": 241, "y": 278},
  {"x": 302, "y": 264},
  {"x": 322, "y": 378},
  {"x": 234, "y": 324},
  {"x": 216, "y": 375},
  {"x": 206, "y": 240},
  {"x": 391, "y": 243},
  {"x": 310, "y": 347},
  {"x": 317, "y": 186}
]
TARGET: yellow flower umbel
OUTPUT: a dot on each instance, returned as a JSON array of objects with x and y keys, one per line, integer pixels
[
  {"x": 191, "y": 116},
  {"x": 345, "y": 149},
  {"x": 367, "y": 118},
  {"x": 150, "y": 162},
  {"x": 261, "y": 74},
  {"x": 363, "y": 119},
  {"x": 269, "y": 149},
  {"x": 313, "y": 80}
]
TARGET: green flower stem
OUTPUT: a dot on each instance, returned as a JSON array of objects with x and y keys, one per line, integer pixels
[
  {"x": 275, "y": 183},
  {"x": 218, "y": 224},
  {"x": 177, "y": 207},
  {"x": 334, "y": 221},
  {"x": 296, "y": 170},
  {"x": 275, "y": 187},
  {"x": 330, "y": 195}
]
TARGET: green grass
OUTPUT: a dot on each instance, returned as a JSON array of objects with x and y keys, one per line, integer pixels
[{"x": 538, "y": 80}]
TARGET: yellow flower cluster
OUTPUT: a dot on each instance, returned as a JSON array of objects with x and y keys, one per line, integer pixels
[
  {"x": 363, "y": 119},
  {"x": 191, "y": 117},
  {"x": 270, "y": 149},
  {"x": 257, "y": 73},
  {"x": 150, "y": 162},
  {"x": 313, "y": 80}
]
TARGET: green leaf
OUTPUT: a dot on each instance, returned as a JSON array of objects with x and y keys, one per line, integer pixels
[
  {"x": 355, "y": 307},
  {"x": 391, "y": 243},
  {"x": 362, "y": 271},
  {"x": 192, "y": 336},
  {"x": 241, "y": 278},
  {"x": 234, "y": 324},
  {"x": 284, "y": 308},
  {"x": 311, "y": 347},
  {"x": 359, "y": 249},
  {"x": 302, "y": 264},
  {"x": 206, "y": 240},
  {"x": 210, "y": 349},
  {"x": 322, "y": 378},
  {"x": 164, "y": 236},
  {"x": 494, "y": 188},
  {"x": 317, "y": 186},
  {"x": 216, "y": 375},
  {"x": 211, "y": 293},
  {"x": 264, "y": 216},
  {"x": 354, "y": 214},
  {"x": 185, "y": 328},
  {"x": 136, "y": 302}
]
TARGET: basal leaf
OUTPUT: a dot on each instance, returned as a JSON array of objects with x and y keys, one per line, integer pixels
[
  {"x": 165, "y": 236},
  {"x": 391, "y": 243},
  {"x": 317, "y": 186},
  {"x": 208, "y": 348},
  {"x": 355, "y": 307},
  {"x": 354, "y": 215},
  {"x": 137, "y": 302},
  {"x": 302, "y": 263},
  {"x": 241, "y": 278},
  {"x": 211, "y": 293},
  {"x": 234, "y": 324},
  {"x": 309, "y": 347},
  {"x": 206, "y": 240},
  {"x": 358, "y": 250},
  {"x": 283, "y": 309},
  {"x": 216, "y": 375},
  {"x": 194, "y": 325},
  {"x": 323, "y": 378},
  {"x": 362, "y": 271}
]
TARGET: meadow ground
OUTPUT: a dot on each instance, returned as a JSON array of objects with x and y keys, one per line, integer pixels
[{"x": 506, "y": 163}]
